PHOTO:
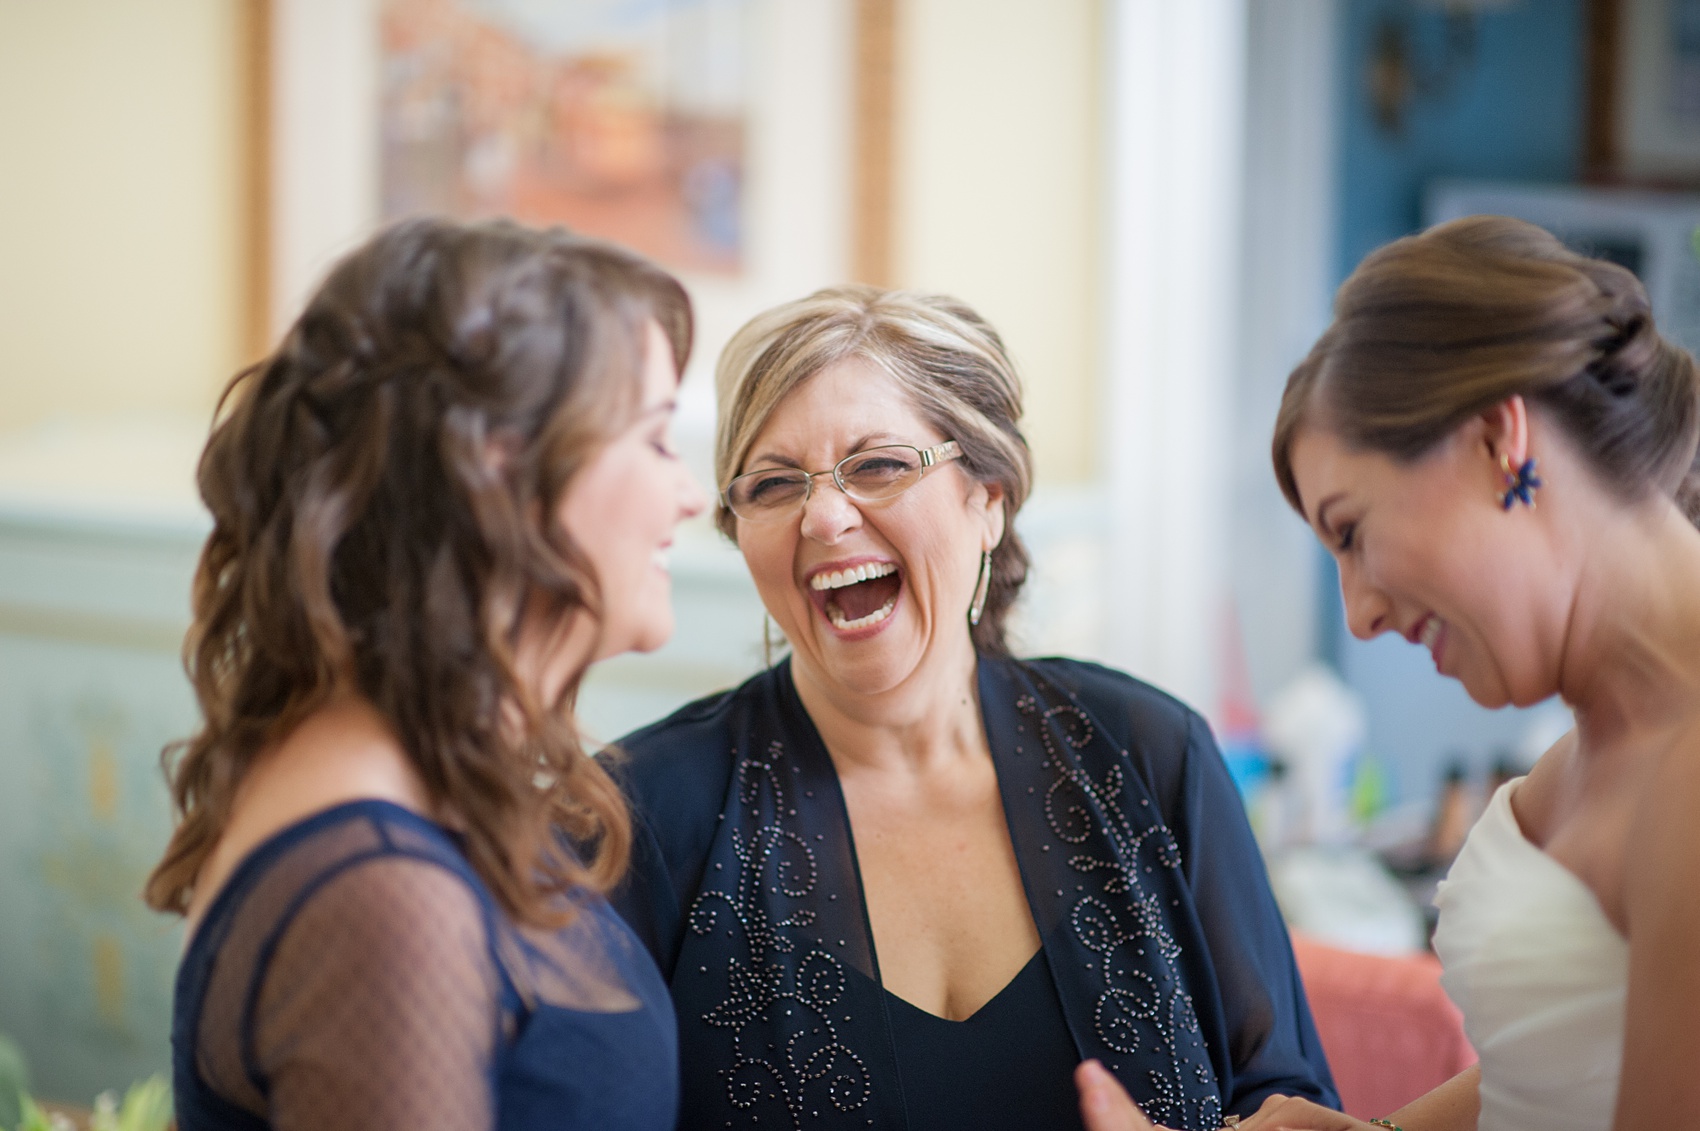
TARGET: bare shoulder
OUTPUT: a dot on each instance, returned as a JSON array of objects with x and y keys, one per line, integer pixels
[
  {"x": 1662, "y": 847},
  {"x": 343, "y": 752},
  {"x": 1661, "y": 873},
  {"x": 1669, "y": 796}
]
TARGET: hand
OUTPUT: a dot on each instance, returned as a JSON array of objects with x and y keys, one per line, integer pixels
[
  {"x": 1105, "y": 1104},
  {"x": 1289, "y": 1113}
]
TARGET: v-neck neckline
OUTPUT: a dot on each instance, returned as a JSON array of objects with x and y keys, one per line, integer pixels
[
  {"x": 992, "y": 1005},
  {"x": 819, "y": 749}
]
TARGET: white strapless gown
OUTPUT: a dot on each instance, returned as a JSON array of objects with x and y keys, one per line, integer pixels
[{"x": 1540, "y": 975}]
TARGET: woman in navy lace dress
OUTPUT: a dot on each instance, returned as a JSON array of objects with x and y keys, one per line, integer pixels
[{"x": 443, "y": 497}]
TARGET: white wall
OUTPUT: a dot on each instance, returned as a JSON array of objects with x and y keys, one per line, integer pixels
[
  {"x": 121, "y": 253},
  {"x": 997, "y": 136}
]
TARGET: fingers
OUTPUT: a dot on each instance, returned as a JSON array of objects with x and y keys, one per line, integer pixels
[
  {"x": 1106, "y": 1106},
  {"x": 1290, "y": 1113},
  {"x": 1104, "y": 1103},
  {"x": 1260, "y": 1120}
]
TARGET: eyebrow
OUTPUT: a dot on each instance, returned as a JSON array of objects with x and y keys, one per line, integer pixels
[
  {"x": 665, "y": 408},
  {"x": 786, "y": 461},
  {"x": 1322, "y": 512}
]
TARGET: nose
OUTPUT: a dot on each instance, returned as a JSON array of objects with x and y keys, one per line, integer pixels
[
  {"x": 692, "y": 499},
  {"x": 1366, "y": 606},
  {"x": 828, "y": 513}
]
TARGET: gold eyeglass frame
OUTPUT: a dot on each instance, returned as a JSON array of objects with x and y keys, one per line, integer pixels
[{"x": 930, "y": 458}]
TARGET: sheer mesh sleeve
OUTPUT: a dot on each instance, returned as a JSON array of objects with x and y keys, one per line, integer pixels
[
  {"x": 356, "y": 973},
  {"x": 378, "y": 1007}
]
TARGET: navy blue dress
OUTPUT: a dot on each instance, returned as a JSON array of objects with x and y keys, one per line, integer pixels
[
  {"x": 1163, "y": 953},
  {"x": 355, "y": 973}
]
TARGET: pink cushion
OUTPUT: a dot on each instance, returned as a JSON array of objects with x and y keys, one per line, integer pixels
[{"x": 1390, "y": 1031}]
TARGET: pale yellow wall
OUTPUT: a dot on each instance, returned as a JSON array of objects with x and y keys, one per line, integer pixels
[
  {"x": 997, "y": 141},
  {"x": 121, "y": 250}
]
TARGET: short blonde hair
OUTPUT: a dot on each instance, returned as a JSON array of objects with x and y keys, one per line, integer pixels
[{"x": 949, "y": 361}]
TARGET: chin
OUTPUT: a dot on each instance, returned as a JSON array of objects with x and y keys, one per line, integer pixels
[
  {"x": 653, "y": 637},
  {"x": 634, "y": 638},
  {"x": 1493, "y": 693},
  {"x": 870, "y": 667},
  {"x": 1491, "y": 698}
]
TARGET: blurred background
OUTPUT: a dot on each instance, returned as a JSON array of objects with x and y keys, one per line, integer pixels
[{"x": 1153, "y": 200}]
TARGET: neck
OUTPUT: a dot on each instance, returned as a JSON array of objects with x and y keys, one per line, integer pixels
[
  {"x": 930, "y": 719},
  {"x": 1630, "y": 660},
  {"x": 548, "y": 655}
]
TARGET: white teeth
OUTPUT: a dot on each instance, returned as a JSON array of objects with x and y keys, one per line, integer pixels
[
  {"x": 1431, "y": 632},
  {"x": 838, "y": 579},
  {"x": 659, "y": 559},
  {"x": 872, "y": 618}
]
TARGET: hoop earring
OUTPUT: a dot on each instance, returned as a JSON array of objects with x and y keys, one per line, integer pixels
[
  {"x": 1519, "y": 485},
  {"x": 982, "y": 588}
]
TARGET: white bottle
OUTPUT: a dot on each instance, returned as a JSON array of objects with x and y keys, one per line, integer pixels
[{"x": 1316, "y": 725}]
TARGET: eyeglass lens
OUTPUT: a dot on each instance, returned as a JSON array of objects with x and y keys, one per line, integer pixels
[{"x": 877, "y": 473}]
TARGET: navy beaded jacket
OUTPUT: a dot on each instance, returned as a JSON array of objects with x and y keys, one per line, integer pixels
[{"x": 1162, "y": 937}]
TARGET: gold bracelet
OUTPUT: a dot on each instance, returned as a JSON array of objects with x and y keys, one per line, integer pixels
[{"x": 1387, "y": 1123}]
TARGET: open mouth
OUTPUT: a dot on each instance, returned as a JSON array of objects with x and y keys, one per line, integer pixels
[{"x": 857, "y": 597}]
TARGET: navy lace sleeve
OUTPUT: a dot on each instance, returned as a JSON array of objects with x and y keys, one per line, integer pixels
[
  {"x": 675, "y": 772},
  {"x": 1260, "y": 1003},
  {"x": 355, "y": 973},
  {"x": 1272, "y": 1038}
]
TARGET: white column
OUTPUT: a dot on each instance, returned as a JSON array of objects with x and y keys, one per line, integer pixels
[
  {"x": 1176, "y": 74},
  {"x": 324, "y": 157},
  {"x": 1288, "y": 277}
]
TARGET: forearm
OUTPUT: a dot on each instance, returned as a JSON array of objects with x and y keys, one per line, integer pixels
[{"x": 1451, "y": 1107}]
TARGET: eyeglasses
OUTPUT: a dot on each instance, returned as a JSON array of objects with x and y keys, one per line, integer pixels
[{"x": 867, "y": 476}]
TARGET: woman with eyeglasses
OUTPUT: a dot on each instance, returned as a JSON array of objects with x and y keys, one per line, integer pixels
[
  {"x": 901, "y": 879},
  {"x": 444, "y": 496}
]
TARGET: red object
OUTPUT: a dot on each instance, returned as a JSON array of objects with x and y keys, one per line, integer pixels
[
  {"x": 1238, "y": 706},
  {"x": 1390, "y": 1031}
]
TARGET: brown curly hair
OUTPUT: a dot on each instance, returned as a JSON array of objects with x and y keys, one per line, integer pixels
[{"x": 378, "y": 488}]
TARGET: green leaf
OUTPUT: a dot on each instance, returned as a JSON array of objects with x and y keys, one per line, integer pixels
[
  {"x": 34, "y": 1119},
  {"x": 14, "y": 1082},
  {"x": 146, "y": 1107}
]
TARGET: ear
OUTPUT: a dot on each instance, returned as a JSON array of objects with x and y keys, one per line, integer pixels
[{"x": 1505, "y": 431}]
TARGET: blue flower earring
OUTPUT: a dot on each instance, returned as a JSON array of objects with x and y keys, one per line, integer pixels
[{"x": 1519, "y": 485}]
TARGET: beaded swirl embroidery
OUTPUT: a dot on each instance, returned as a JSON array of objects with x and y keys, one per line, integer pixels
[
  {"x": 1135, "y": 1011},
  {"x": 784, "y": 983},
  {"x": 784, "y": 980}
]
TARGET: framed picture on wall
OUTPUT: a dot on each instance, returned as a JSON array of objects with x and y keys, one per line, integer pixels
[
  {"x": 626, "y": 121},
  {"x": 715, "y": 136},
  {"x": 1644, "y": 92}
]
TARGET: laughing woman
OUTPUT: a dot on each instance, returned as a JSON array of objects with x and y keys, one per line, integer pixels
[{"x": 902, "y": 879}]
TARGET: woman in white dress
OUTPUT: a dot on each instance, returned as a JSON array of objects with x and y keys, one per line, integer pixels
[{"x": 1471, "y": 372}]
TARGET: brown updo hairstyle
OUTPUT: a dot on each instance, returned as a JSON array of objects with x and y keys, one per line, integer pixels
[
  {"x": 947, "y": 359},
  {"x": 380, "y": 490},
  {"x": 1435, "y": 328}
]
